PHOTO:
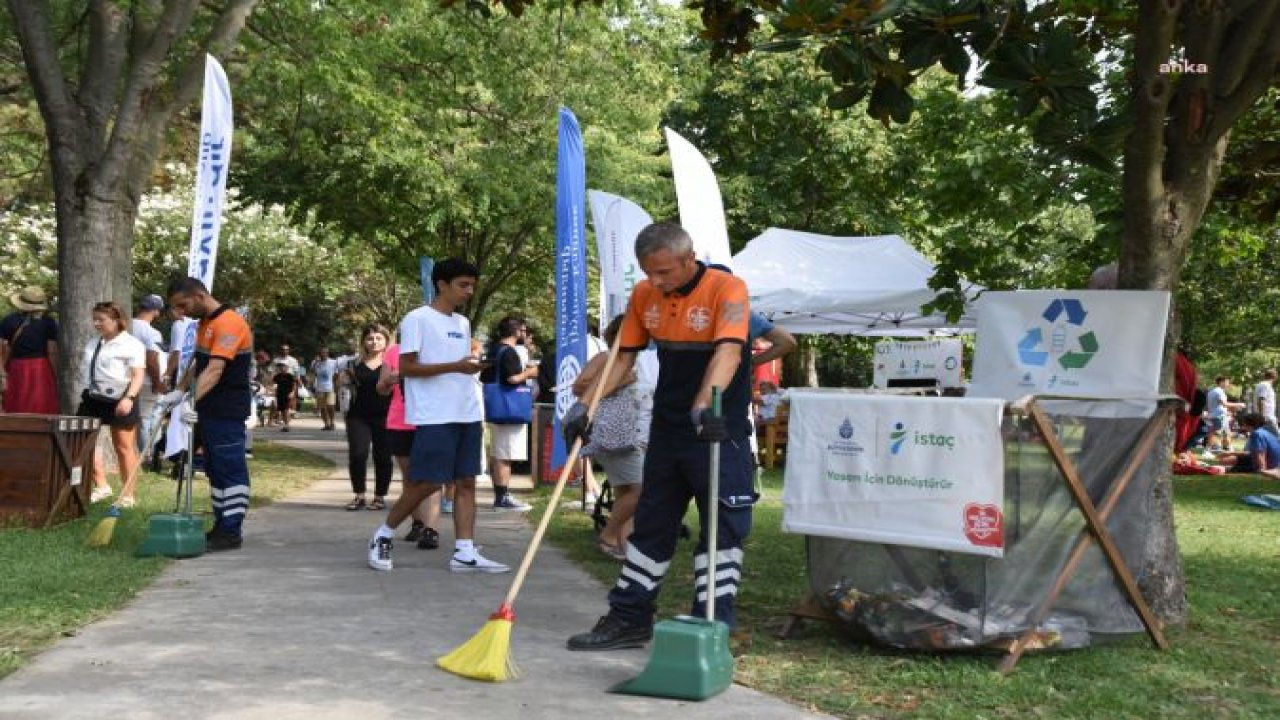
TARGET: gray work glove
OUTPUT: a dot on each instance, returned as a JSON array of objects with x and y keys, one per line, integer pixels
[
  {"x": 709, "y": 426},
  {"x": 187, "y": 411},
  {"x": 576, "y": 425}
]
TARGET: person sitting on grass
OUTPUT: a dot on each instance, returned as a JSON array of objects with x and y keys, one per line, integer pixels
[{"x": 1261, "y": 451}]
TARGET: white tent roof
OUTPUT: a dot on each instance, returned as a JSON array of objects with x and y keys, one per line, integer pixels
[{"x": 811, "y": 283}]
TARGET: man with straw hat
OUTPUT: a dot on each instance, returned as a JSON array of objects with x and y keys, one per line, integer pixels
[{"x": 29, "y": 355}]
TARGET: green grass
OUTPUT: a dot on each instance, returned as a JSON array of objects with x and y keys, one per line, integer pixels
[
  {"x": 53, "y": 584},
  {"x": 1223, "y": 664}
]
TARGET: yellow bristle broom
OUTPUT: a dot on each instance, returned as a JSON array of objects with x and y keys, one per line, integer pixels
[
  {"x": 487, "y": 655},
  {"x": 105, "y": 529}
]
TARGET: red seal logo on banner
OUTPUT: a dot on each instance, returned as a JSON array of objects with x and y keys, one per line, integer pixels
[{"x": 984, "y": 525}]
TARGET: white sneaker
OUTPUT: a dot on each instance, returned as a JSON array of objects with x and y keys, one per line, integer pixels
[
  {"x": 380, "y": 553},
  {"x": 99, "y": 494},
  {"x": 476, "y": 564}
]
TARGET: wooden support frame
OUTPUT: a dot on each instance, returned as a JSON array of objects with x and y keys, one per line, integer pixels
[
  {"x": 808, "y": 608},
  {"x": 1095, "y": 528},
  {"x": 71, "y": 463}
]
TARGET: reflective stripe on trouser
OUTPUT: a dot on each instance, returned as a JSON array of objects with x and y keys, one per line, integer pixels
[
  {"x": 228, "y": 472},
  {"x": 676, "y": 470}
]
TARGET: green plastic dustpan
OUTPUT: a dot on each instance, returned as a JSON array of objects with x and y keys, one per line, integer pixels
[
  {"x": 179, "y": 534},
  {"x": 690, "y": 661},
  {"x": 691, "y": 658},
  {"x": 176, "y": 535}
]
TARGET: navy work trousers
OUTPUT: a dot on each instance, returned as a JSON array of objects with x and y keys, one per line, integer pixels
[
  {"x": 228, "y": 472},
  {"x": 676, "y": 469}
]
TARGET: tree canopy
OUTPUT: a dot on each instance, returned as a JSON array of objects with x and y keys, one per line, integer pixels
[{"x": 429, "y": 132}]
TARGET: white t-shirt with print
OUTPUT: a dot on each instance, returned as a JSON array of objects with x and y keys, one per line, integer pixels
[
  {"x": 449, "y": 398},
  {"x": 324, "y": 371},
  {"x": 111, "y": 370}
]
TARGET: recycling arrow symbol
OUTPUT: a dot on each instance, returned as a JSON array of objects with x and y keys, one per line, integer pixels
[
  {"x": 1073, "y": 308},
  {"x": 1088, "y": 348},
  {"x": 1028, "y": 348}
]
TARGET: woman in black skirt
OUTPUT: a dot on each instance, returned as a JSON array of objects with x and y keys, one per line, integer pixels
[{"x": 116, "y": 365}]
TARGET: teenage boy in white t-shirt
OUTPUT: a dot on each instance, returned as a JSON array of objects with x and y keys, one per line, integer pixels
[{"x": 443, "y": 401}]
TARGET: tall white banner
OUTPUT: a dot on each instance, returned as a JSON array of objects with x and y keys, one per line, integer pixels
[
  {"x": 923, "y": 472},
  {"x": 938, "y": 360},
  {"x": 212, "y": 167},
  {"x": 617, "y": 221},
  {"x": 211, "y": 173},
  {"x": 698, "y": 196},
  {"x": 1081, "y": 343}
]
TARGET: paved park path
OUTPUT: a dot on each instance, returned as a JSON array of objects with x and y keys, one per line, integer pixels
[{"x": 294, "y": 625}]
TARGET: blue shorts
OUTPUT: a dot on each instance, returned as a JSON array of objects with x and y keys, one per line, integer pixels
[{"x": 444, "y": 453}]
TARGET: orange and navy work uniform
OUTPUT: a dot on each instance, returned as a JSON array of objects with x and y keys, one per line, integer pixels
[
  {"x": 226, "y": 335},
  {"x": 687, "y": 325}
]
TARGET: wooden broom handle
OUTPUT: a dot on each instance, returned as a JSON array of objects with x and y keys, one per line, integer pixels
[{"x": 576, "y": 448}]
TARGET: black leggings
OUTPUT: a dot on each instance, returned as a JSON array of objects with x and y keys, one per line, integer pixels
[{"x": 361, "y": 433}]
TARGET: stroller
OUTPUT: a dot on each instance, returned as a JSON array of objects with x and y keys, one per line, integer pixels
[{"x": 604, "y": 506}]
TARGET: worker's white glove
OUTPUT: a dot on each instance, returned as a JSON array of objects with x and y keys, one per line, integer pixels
[
  {"x": 172, "y": 399},
  {"x": 187, "y": 412}
]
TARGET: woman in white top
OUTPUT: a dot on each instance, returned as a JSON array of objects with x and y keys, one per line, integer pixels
[{"x": 115, "y": 367}]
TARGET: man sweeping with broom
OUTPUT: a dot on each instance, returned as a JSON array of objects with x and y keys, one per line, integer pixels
[
  {"x": 221, "y": 403},
  {"x": 698, "y": 317}
]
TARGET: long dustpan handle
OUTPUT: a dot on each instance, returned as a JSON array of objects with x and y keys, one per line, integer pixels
[
  {"x": 189, "y": 472},
  {"x": 713, "y": 514},
  {"x": 554, "y": 502}
]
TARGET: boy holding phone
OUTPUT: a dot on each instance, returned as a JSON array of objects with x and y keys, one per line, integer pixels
[{"x": 443, "y": 402}]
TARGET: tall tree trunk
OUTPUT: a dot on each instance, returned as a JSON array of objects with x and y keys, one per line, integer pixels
[
  {"x": 1173, "y": 155},
  {"x": 87, "y": 227},
  {"x": 105, "y": 122},
  {"x": 1152, "y": 255},
  {"x": 122, "y": 255},
  {"x": 800, "y": 368}
]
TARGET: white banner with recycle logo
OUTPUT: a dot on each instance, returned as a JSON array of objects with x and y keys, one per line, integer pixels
[
  {"x": 901, "y": 470},
  {"x": 1081, "y": 343}
]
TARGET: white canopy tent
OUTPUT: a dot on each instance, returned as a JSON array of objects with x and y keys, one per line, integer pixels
[{"x": 873, "y": 286}]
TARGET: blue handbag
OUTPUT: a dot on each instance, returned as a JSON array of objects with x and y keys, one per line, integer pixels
[{"x": 506, "y": 404}]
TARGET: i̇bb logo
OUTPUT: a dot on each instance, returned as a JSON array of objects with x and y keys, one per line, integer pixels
[{"x": 984, "y": 525}]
